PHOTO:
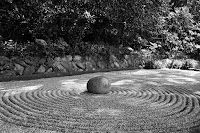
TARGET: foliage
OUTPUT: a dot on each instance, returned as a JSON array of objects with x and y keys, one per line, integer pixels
[
  {"x": 179, "y": 33},
  {"x": 164, "y": 28},
  {"x": 164, "y": 63},
  {"x": 50, "y": 19},
  {"x": 176, "y": 64},
  {"x": 190, "y": 63}
]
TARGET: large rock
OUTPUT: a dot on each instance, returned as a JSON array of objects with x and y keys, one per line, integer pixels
[
  {"x": 74, "y": 67},
  {"x": 49, "y": 62},
  {"x": 32, "y": 61},
  {"x": 50, "y": 70},
  {"x": 19, "y": 69},
  {"x": 129, "y": 60},
  {"x": 19, "y": 61},
  {"x": 42, "y": 61},
  {"x": 3, "y": 60},
  {"x": 7, "y": 66},
  {"x": 67, "y": 65},
  {"x": 80, "y": 65},
  {"x": 98, "y": 85},
  {"x": 29, "y": 70},
  {"x": 57, "y": 67},
  {"x": 124, "y": 64},
  {"x": 41, "y": 42},
  {"x": 41, "y": 69},
  {"x": 8, "y": 73},
  {"x": 29, "y": 61},
  {"x": 114, "y": 62}
]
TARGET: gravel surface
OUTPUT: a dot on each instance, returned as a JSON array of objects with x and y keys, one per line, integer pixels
[{"x": 140, "y": 101}]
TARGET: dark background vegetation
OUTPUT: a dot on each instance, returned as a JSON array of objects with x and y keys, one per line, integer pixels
[{"x": 160, "y": 28}]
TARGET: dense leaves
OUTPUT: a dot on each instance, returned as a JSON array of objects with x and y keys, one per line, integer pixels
[{"x": 165, "y": 27}]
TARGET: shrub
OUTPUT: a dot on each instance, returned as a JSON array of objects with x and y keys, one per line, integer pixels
[
  {"x": 167, "y": 63},
  {"x": 190, "y": 63},
  {"x": 179, "y": 32},
  {"x": 149, "y": 64},
  {"x": 177, "y": 64},
  {"x": 158, "y": 64},
  {"x": 164, "y": 63},
  {"x": 109, "y": 21}
]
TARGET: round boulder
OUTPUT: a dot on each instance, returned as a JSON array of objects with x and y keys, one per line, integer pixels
[{"x": 98, "y": 85}]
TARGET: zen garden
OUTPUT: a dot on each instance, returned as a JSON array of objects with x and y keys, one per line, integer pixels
[{"x": 99, "y": 66}]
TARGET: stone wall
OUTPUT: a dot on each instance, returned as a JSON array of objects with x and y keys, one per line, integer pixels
[{"x": 69, "y": 64}]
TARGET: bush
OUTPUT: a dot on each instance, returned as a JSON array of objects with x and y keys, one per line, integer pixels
[
  {"x": 179, "y": 32},
  {"x": 158, "y": 64},
  {"x": 190, "y": 63},
  {"x": 83, "y": 24},
  {"x": 76, "y": 20},
  {"x": 149, "y": 64},
  {"x": 164, "y": 63},
  {"x": 177, "y": 64}
]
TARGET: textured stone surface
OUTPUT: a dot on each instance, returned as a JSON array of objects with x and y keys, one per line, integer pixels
[
  {"x": 74, "y": 67},
  {"x": 3, "y": 60},
  {"x": 42, "y": 61},
  {"x": 67, "y": 63},
  {"x": 41, "y": 42},
  {"x": 80, "y": 65},
  {"x": 57, "y": 67},
  {"x": 114, "y": 62},
  {"x": 8, "y": 66},
  {"x": 29, "y": 61},
  {"x": 20, "y": 61},
  {"x": 8, "y": 73},
  {"x": 124, "y": 64},
  {"x": 49, "y": 70},
  {"x": 41, "y": 69},
  {"x": 19, "y": 69},
  {"x": 29, "y": 70},
  {"x": 49, "y": 62},
  {"x": 98, "y": 85}
]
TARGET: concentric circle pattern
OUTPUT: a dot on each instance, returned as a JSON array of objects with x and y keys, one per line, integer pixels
[
  {"x": 120, "y": 110},
  {"x": 142, "y": 101}
]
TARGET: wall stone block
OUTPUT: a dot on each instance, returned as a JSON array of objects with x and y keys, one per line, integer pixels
[
  {"x": 68, "y": 64},
  {"x": 41, "y": 69},
  {"x": 19, "y": 69},
  {"x": 29, "y": 70}
]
